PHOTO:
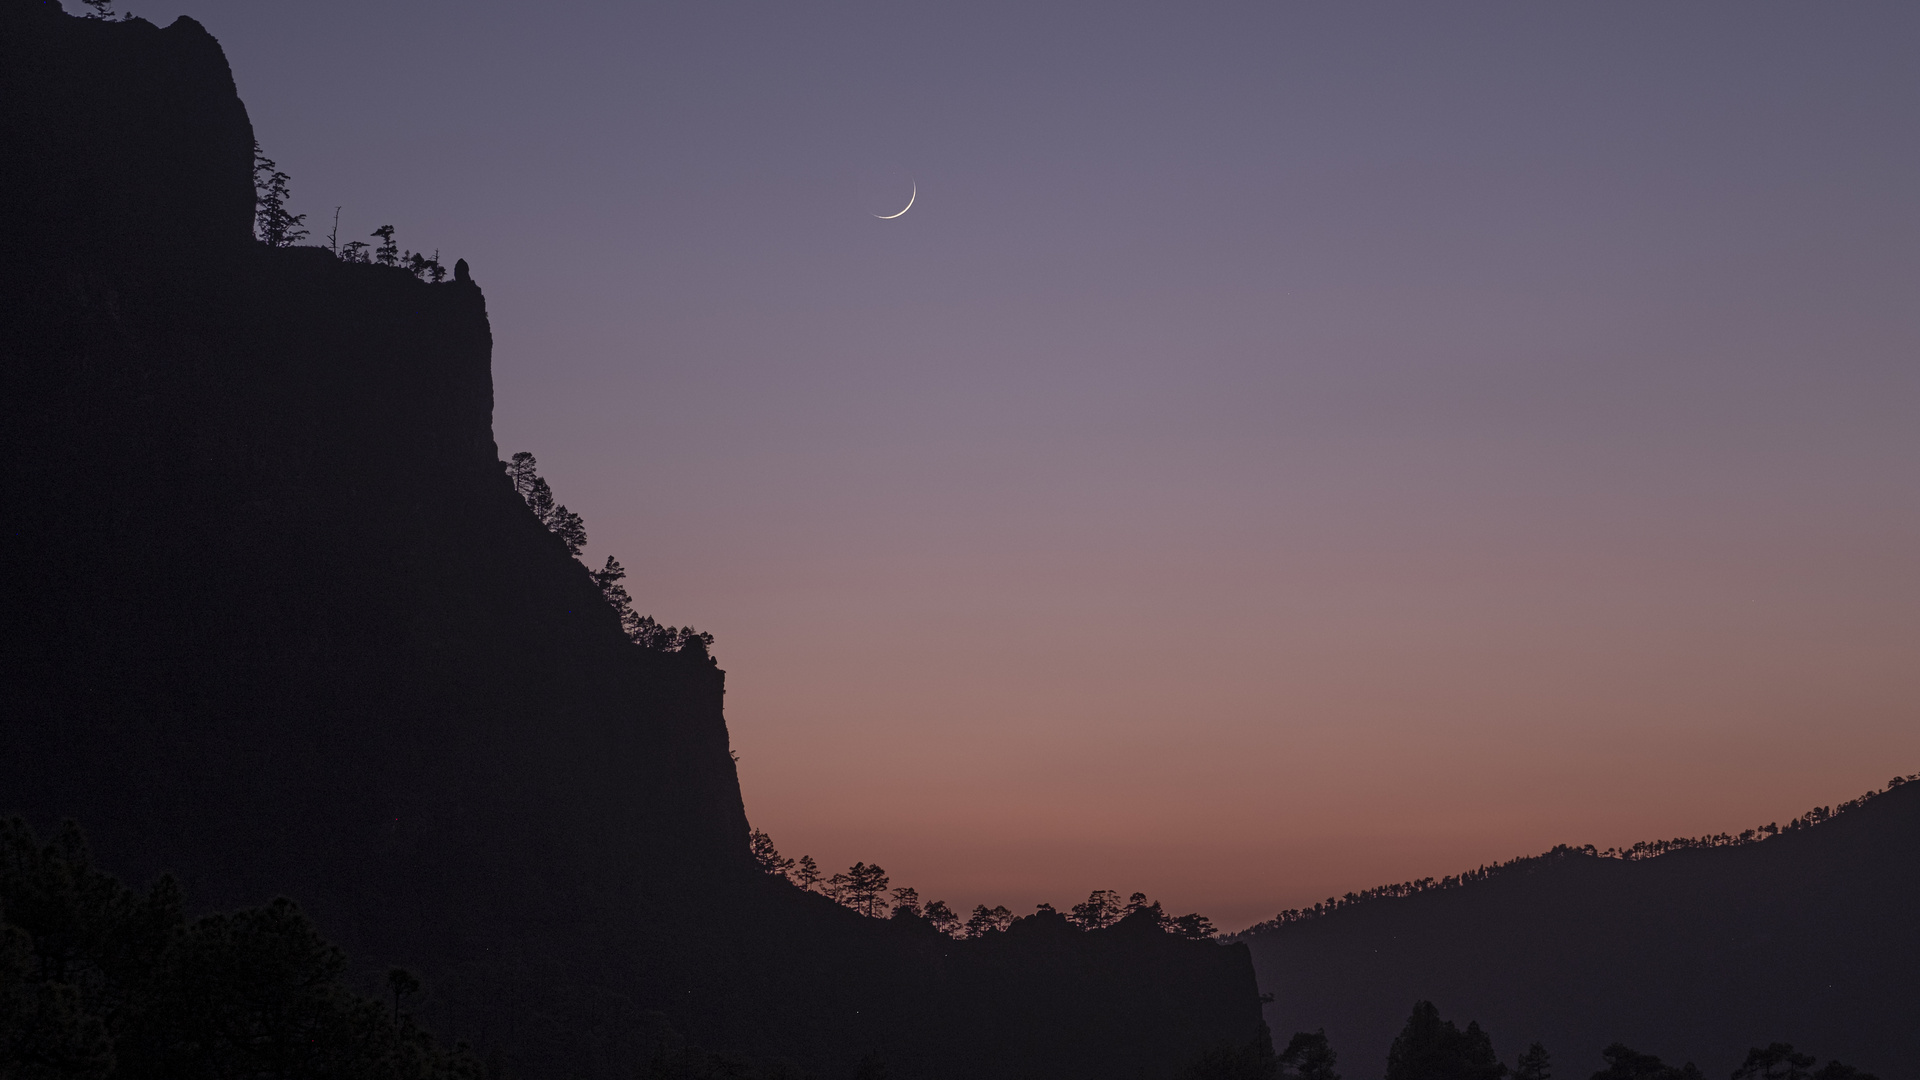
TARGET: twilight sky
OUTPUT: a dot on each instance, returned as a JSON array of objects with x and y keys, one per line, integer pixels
[{"x": 1286, "y": 448}]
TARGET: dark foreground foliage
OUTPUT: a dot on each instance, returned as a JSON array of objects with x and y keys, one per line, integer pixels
[
  {"x": 1432, "y": 1048},
  {"x": 1249, "y": 1061},
  {"x": 100, "y": 982},
  {"x": 669, "y": 1056},
  {"x": 97, "y": 980}
]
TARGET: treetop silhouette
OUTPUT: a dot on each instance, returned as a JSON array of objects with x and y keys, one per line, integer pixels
[
  {"x": 1308, "y": 1056},
  {"x": 97, "y": 980},
  {"x": 564, "y": 523},
  {"x": 1534, "y": 1064},
  {"x": 1101, "y": 909},
  {"x": 277, "y": 226},
  {"x": 864, "y": 888},
  {"x": 987, "y": 920},
  {"x": 523, "y": 471},
  {"x": 273, "y": 224},
  {"x": 1430, "y": 1048}
]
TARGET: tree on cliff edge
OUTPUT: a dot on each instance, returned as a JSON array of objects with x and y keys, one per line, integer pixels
[
  {"x": 766, "y": 854},
  {"x": 862, "y": 888},
  {"x": 559, "y": 520},
  {"x": 642, "y": 630},
  {"x": 272, "y": 223}
]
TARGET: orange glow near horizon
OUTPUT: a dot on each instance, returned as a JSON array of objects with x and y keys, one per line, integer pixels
[{"x": 1285, "y": 450}]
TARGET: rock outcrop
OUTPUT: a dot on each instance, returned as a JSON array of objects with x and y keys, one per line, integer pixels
[{"x": 278, "y": 624}]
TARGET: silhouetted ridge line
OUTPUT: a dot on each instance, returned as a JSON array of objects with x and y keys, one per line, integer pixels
[
  {"x": 278, "y": 227},
  {"x": 1700, "y": 952},
  {"x": 102, "y": 11},
  {"x": 642, "y": 630},
  {"x": 1645, "y": 849},
  {"x": 863, "y": 887}
]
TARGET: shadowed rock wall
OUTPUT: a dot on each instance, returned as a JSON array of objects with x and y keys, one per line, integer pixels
[{"x": 278, "y": 624}]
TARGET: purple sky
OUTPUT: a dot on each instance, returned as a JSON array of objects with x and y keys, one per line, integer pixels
[{"x": 1286, "y": 447}]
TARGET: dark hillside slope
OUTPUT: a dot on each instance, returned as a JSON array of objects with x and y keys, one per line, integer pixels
[
  {"x": 278, "y": 623},
  {"x": 1810, "y": 937}
]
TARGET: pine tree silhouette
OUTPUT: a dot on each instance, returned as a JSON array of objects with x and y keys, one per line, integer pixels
[{"x": 272, "y": 223}]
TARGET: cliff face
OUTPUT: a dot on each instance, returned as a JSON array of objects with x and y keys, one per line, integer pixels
[
  {"x": 279, "y": 624},
  {"x": 257, "y": 498},
  {"x": 163, "y": 163},
  {"x": 1808, "y": 938}
]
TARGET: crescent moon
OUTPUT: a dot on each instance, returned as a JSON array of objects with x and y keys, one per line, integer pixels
[{"x": 904, "y": 209}]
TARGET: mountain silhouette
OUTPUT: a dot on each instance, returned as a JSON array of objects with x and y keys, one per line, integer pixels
[
  {"x": 1808, "y": 937},
  {"x": 279, "y": 623}
]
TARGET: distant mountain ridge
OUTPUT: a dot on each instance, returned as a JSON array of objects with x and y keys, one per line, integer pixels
[
  {"x": 1644, "y": 849},
  {"x": 1694, "y": 949}
]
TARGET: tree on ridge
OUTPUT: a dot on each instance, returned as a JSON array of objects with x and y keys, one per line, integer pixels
[
  {"x": 1102, "y": 909},
  {"x": 942, "y": 917},
  {"x": 764, "y": 852},
  {"x": 862, "y": 888},
  {"x": 986, "y": 920},
  {"x": 807, "y": 874}
]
